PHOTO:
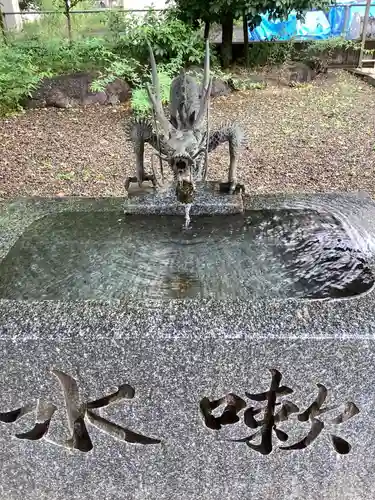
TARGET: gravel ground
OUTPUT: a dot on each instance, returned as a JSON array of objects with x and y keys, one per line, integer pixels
[{"x": 315, "y": 138}]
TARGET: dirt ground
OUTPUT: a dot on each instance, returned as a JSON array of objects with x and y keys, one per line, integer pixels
[{"x": 315, "y": 138}]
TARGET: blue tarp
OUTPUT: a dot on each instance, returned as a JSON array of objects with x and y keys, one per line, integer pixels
[{"x": 317, "y": 24}]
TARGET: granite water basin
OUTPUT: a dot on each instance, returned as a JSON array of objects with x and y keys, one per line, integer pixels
[
  {"x": 175, "y": 353},
  {"x": 271, "y": 253}
]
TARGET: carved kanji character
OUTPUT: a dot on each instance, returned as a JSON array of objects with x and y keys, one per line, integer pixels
[
  {"x": 77, "y": 415},
  {"x": 317, "y": 425}
]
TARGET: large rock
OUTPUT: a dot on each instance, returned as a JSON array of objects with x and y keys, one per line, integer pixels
[
  {"x": 66, "y": 91},
  {"x": 300, "y": 73},
  {"x": 291, "y": 73},
  {"x": 219, "y": 87}
]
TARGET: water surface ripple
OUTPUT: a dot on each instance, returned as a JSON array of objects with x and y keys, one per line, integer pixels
[{"x": 102, "y": 256}]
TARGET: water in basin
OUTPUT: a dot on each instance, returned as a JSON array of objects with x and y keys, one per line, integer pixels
[{"x": 102, "y": 256}]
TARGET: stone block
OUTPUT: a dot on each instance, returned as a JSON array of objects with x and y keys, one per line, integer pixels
[
  {"x": 208, "y": 201},
  {"x": 166, "y": 399}
]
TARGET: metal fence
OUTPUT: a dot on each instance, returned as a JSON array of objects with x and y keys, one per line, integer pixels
[{"x": 96, "y": 22}]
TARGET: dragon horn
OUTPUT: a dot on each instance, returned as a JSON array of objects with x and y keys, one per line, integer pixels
[
  {"x": 156, "y": 99},
  {"x": 207, "y": 84},
  {"x": 204, "y": 104}
]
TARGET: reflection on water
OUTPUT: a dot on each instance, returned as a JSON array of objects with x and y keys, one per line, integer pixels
[{"x": 295, "y": 253}]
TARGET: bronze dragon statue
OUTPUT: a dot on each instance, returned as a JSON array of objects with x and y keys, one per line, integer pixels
[{"x": 184, "y": 140}]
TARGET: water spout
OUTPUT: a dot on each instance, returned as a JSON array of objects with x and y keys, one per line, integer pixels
[{"x": 187, "y": 215}]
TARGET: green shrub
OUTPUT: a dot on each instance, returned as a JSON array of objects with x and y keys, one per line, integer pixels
[
  {"x": 170, "y": 38},
  {"x": 24, "y": 63},
  {"x": 319, "y": 53},
  {"x": 128, "y": 69},
  {"x": 58, "y": 56},
  {"x": 42, "y": 49},
  {"x": 276, "y": 52},
  {"x": 139, "y": 101},
  {"x": 19, "y": 76},
  {"x": 175, "y": 46}
]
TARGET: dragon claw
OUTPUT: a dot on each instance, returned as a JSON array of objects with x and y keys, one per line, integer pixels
[
  {"x": 231, "y": 188},
  {"x": 134, "y": 179}
]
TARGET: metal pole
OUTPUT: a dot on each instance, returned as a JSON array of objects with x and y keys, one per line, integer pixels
[
  {"x": 364, "y": 32},
  {"x": 346, "y": 21}
]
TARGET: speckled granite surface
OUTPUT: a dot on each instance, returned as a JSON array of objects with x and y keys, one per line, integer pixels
[{"x": 174, "y": 353}]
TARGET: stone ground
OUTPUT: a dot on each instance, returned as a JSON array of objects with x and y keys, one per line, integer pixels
[{"x": 315, "y": 138}]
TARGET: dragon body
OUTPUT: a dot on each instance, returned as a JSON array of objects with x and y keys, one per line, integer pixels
[{"x": 184, "y": 139}]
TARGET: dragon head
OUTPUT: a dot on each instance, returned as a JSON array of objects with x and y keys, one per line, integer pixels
[{"x": 184, "y": 147}]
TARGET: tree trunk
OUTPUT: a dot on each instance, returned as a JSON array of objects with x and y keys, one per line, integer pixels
[
  {"x": 227, "y": 39},
  {"x": 2, "y": 27},
  {"x": 68, "y": 20},
  {"x": 206, "y": 29},
  {"x": 246, "y": 40}
]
